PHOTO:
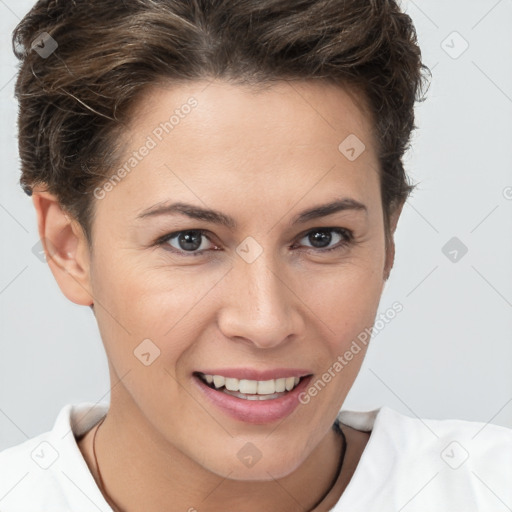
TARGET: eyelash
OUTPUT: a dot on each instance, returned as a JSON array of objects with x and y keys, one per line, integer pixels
[{"x": 343, "y": 232}]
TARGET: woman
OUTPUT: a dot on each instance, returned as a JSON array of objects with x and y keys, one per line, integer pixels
[{"x": 220, "y": 182}]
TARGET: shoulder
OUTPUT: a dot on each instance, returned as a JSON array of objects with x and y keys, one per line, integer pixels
[
  {"x": 48, "y": 472},
  {"x": 408, "y": 433},
  {"x": 461, "y": 438},
  {"x": 447, "y": 462},
  {"x": 24, "y": 473}
]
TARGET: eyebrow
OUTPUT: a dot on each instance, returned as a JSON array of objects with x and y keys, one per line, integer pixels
[{"x": 216, "y": 217}]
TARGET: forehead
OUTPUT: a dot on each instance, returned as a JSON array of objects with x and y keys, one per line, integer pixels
[
  {"x": 209, "y": 139},
  {"x": 296, "y": 111}
]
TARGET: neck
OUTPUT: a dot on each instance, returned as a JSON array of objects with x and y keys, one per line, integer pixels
[{"x": 141, "y": 471}]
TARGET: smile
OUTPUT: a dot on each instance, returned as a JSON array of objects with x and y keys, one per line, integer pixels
[
  {"x": 251, "y": 389},
  {"x": 257, "y": 398}
]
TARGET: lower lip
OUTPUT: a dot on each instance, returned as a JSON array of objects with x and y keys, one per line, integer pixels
[{"x": 254, "y": 411}]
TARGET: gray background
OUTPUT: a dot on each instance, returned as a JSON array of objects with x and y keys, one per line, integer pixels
[{"x": 448, "y": 354}]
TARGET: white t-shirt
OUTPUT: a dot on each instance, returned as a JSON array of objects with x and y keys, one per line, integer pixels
[{"x": 408, "y": 465}]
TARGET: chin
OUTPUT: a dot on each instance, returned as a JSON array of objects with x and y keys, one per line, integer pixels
[{"x": 251, "y": 464}]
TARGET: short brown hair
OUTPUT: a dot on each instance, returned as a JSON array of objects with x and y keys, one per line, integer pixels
[{"x": 74, "y": 103}]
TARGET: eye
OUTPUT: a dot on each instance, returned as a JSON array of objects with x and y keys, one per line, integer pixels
[
  {"x": 320, "y": 238},
  {"x": 188, "y": 242}
]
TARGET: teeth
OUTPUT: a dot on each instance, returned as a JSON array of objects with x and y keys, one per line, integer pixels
[
  {"x": 231, "y": 384},
  {"x": 253, "y": 397},
  {"x": 218, "y": 381},
  {"x": 252, "y": 387},
  {"x": 280, "y": 385},
  {"x": 247, "y": 386},
  {"x": 266, "y": 387}
]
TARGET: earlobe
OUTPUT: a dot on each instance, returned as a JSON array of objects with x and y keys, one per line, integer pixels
[{"x": 65, "y": 246}]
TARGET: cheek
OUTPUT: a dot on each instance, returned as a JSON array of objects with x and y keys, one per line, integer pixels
[
  {"x": 346, "y": 308},
  {"x": 344, "y": 305},
  {"x": 137, "y": 302},
  {"x": 144, "y": 289},
  {"x": 346, "y": 296}
]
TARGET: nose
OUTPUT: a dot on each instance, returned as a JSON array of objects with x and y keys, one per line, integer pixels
[{"x": 259, "y": 305}]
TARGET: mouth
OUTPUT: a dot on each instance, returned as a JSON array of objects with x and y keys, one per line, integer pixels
[
  {"x": 257, "y": 396},
  {"x": 246, "y": 389}
]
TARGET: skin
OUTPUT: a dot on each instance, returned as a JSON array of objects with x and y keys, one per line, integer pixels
[{"x": 261, "y": 157}]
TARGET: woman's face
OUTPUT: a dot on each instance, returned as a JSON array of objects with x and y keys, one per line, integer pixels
[{"x": 257, "y": 285}]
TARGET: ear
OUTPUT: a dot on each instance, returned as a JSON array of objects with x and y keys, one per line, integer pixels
[
  {"x": 65, "y": 247},
  {"x": 390, "y": 244}
]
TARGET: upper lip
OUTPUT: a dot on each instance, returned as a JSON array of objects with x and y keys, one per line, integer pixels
[{"x": 252, "y": 374}]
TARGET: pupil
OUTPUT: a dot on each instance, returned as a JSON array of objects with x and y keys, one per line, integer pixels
[
  {"x": 190, "y": 240},
  {"x": 319, "y": 237}
]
